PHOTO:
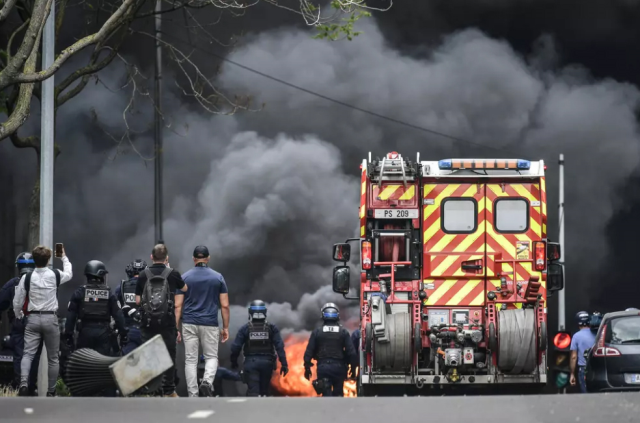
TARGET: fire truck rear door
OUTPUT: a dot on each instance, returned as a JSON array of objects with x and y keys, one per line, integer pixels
[
  {"x": 513, "y": 223},
  {"x": 454, "y": 243}
]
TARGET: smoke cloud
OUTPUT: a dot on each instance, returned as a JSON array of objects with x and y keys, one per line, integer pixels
[{"x": 270, "y": 192}]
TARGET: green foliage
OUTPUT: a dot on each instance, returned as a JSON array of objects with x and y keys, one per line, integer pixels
[
  {"x": 344, "y": 29},
  {"x": 61, "y": 389}
]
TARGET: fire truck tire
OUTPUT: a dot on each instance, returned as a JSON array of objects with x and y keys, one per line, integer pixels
[
  {"x": 543, "y": 336},
  {"x": 368, "y": 340},
  {"x": 396, "y": 354},
  {"x": 493, "y": 340},
  {"x": 517, "y": 347}
]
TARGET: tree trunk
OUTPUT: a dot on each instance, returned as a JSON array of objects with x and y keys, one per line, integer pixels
[{"x": 34, "y": 212}]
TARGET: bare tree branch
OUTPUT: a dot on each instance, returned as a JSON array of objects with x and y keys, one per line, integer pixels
[
  {"x": 19, "y": 115},
  {"x": 13, "y": 35},
  {"x": 6, "y": 9},
  {"x": 107, "y": 28}
]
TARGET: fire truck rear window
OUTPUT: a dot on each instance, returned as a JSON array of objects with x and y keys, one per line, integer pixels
[
  {"x": 459, "y": 215},
  {"x": 512, "y": 215}
]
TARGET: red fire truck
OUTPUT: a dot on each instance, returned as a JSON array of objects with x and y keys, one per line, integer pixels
[{"x": 455, "y": 267}]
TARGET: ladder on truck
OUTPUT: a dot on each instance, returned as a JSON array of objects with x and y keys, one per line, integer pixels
[{"x": 393, "y": 167}]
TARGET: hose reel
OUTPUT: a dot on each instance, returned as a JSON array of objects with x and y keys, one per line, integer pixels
[
  {"x": 397, "y": 353},
  {"x": 517, "y": 346}
]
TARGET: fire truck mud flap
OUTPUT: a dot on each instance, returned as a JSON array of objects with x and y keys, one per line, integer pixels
[{"x": 397, "y": 353}]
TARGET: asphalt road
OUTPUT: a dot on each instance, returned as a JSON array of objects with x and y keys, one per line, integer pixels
[{"x": 596, "y": 408}]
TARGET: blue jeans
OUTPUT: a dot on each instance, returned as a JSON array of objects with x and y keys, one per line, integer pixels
[
  {"x": 335, "y": 372},
  {"x": 582, "y": 379}
]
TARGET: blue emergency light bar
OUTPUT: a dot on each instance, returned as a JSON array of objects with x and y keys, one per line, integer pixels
[{"x": 484, "y": 164}]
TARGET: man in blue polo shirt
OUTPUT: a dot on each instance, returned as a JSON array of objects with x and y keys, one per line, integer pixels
[
  {"x": 206, "y": 295},
  {"x": 581, "y": 341}
]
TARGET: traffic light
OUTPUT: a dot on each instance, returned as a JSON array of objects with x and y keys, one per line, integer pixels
[{"x": 562, "y": 353}]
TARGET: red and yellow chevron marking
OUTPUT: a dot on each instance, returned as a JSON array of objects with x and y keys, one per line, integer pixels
[
  {"x": 456, "y": 292},
  {"x": 543, "y": 200},
  {"x": 363, "y": 201},
  {"x": 394, "y": 192},
  {"x": 445, "y": 253},
  {"x": 503, "y": 246}
]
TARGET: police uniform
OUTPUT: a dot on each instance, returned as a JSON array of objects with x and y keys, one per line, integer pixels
[
  {"x": 332, "y": 348},
  {"x": 16, "y": 336},
  {"x": 126, "y": 295},
  {"x": 92, "y": 306},
  {"x": 259, "y": 342}
]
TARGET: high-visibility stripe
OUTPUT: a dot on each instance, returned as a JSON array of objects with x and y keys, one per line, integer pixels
[
  {"x": 409, "y": 193},
  {"x": 440, "y": 291},
  {"x": 466, "y": 289},
  {"x": 361, "y": 211},
  {"x": 388, "y": 192},
  {"x": 362, "y": 232},
  {"x": 364, "y": 187}
]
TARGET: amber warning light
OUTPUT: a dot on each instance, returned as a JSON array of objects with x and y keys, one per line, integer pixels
[{"x": 562, "y": 340}]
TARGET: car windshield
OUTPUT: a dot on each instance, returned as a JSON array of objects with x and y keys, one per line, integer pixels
[{"x": 625, "y": 330}]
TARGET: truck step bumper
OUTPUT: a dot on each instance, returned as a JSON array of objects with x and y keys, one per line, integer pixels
[{"x": 464, "y": 380}]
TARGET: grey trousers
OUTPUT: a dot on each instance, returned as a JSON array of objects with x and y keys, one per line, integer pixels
[
  {"x": 196, "y": 336},
  {"x": 41, "y": 326}
]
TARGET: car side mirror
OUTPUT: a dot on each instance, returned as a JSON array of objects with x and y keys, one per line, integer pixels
[
  {"x": 555, "y": 277},
  {"x": 554, "y": 252},
  {"x": 341, "y": 278},
  {"x": 342, "y": 252}
]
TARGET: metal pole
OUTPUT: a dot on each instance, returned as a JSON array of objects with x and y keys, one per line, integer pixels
[
  {"x": 561, "y": 305},
  {"x": 46, "y": 163},
  {"x": 158, "y": 125}
]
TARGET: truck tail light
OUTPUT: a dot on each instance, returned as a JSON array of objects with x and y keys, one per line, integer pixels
[
  {"x": 541, "y": 255},
  {"x": 365, "y": 255}
]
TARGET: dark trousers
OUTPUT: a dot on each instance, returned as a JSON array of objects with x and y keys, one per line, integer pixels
[
  {"x": 335, "y": 373},
  {"x": 95, "y": 337},
  {"x": 258, "y": 371},
  {"x": 169, "y": 337},
  {"x": 17, "y": 343},
  {"x": 135, "y": 340}
]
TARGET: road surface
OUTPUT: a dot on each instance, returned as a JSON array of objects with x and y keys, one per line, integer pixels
[{"x": 596, "y": 408}]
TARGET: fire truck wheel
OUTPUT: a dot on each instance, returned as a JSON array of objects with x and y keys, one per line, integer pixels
[
  {"x": 368, "y": 341},
  {"x": 417, "y": 337},
  {"x": 493, "y": 341},
  {"x": 543, "y": 336}
]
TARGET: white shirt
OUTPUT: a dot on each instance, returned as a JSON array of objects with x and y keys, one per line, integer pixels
[{"x": 43, "y": 295}]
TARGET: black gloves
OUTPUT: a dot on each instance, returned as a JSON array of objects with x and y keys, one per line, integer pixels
[
  {"x": 307, "y": 372},
  {"x": 284, "y": 370},
  {"x": 124, "y": 338},
  {"x": 69, "y": 340}
]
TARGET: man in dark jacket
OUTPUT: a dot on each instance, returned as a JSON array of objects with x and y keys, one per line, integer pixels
[{"x": 24, "y": 264}]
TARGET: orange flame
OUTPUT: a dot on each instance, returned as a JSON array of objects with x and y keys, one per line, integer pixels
[{"x": 294, "y": 384}]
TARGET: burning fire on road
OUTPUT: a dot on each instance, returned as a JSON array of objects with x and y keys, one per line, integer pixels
[{"x": 294, "y": 384}]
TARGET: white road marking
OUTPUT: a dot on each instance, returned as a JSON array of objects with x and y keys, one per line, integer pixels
[
  {"x": 28, "y": 410},
  {"x": 200, "y": 414},
  {"x": 237, "y": 400}
]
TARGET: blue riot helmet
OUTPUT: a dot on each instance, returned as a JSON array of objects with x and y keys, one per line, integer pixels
[
  {"x": 330, "y": 312},
  {"x": 135, "y": 268},
  {"x": 25, "y": 263},
  {"x": 583, "y": 318},
  {"x": 257, "y": 310}
]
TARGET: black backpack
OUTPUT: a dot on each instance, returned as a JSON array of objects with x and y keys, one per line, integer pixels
[
  {"x": 27, "y": 287},
  {"x": 156, "y": 298}
]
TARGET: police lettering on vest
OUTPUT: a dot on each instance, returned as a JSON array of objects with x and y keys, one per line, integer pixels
[
  {"x": 128, "y": 290},
  {"x": 95, "y": 306},
  {"x": 330, "y": 343},
  {"x": 259, "y": 341}
]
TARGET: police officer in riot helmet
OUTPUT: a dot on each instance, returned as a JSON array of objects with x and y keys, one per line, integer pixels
[
  {"x": 90, "y": 310},
  {"x": 332, "y": 348},
  {"x": 24, "y": 264},
  {"x": 259, "y": 342},
  {"x": 126, "y": 295}
]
